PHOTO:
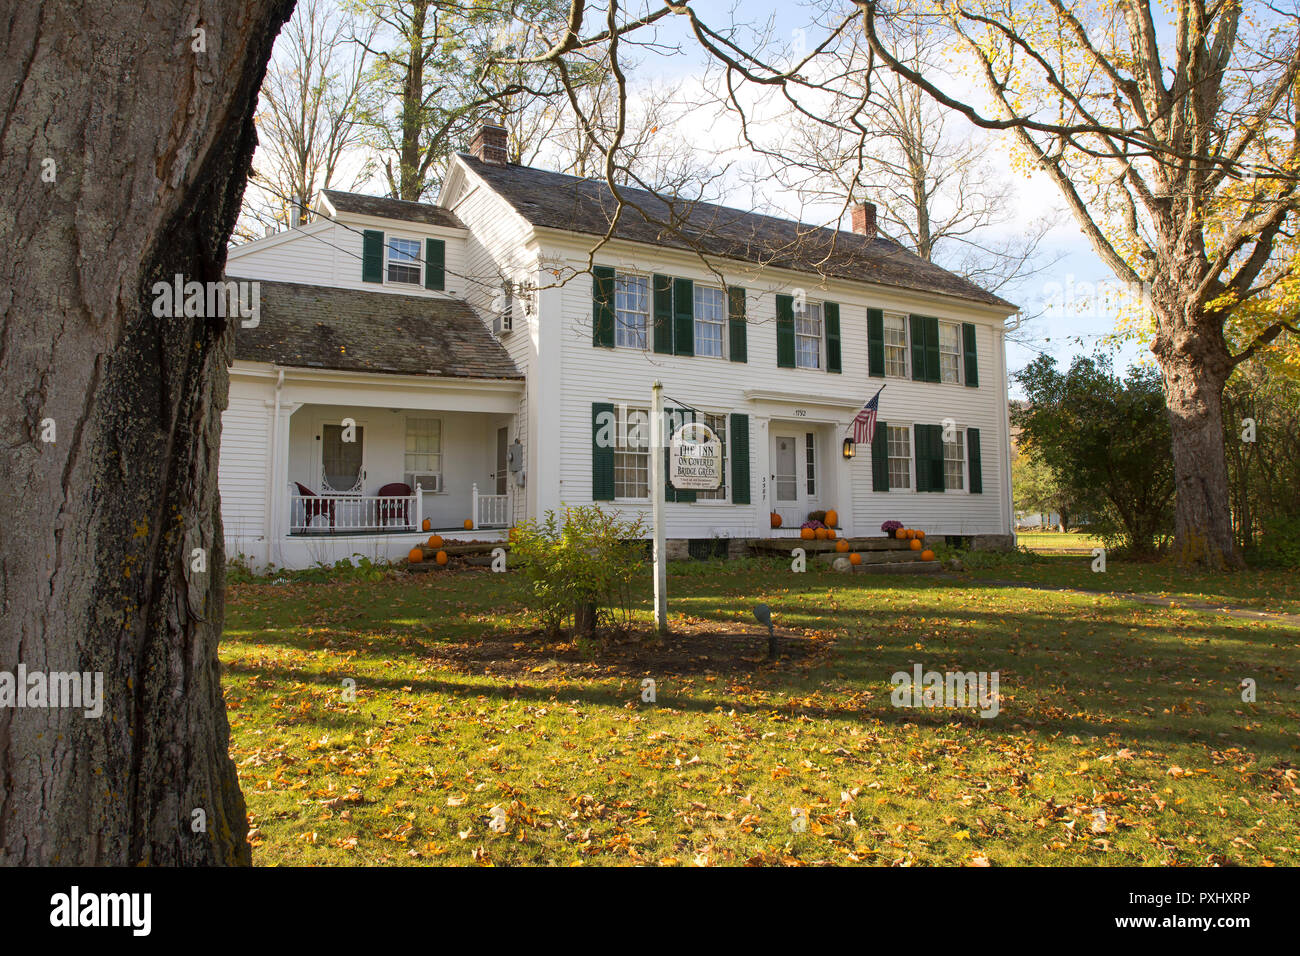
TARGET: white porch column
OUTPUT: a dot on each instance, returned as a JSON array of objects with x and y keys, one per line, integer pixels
[
  {"x": 761, "y": 461},
  {"x": 277, "y": 524}
]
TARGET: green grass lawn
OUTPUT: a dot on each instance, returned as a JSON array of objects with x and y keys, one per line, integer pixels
[
  {"x": 1050, "y": 541},
  {"x": 1106, "y": 706},
  {"x": 1260, "y": 590}
]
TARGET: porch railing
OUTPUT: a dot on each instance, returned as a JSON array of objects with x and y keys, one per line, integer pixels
[
  {"x": 490, "y": 511},
  {"x": 346, "y": 514}
]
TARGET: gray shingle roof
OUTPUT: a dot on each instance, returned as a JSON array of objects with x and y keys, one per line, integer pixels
[
  {"x": 310, "y": 326},
  {"x": 398, "y": 209},
  {"x": 559, "y": 201}
]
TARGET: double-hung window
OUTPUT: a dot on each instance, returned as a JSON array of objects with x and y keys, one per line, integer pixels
[
  {"x": 954, "y": 462},
  {"x": 710, "y": 320},
  {"x": 631, "y": 310},
  {"x": 895, "y": 347},
  {"x": 718, "y": 423},
  {"x": 899, "y": 440},
  {"x": 403, "y": 260},
  {"x": 950, "y": 353},
  {"x": 808, "y": 335},
  {"x": 632, "y": 454}
]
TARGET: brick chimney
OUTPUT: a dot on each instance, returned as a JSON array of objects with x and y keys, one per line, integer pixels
[
  {"x": 864, "y": 219},
  {"x": 490, "y": 144}
]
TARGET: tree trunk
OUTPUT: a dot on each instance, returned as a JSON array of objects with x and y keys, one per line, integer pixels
[
  {"x": 1196, "y": 366},
  {"x": 150, "y": 139}
]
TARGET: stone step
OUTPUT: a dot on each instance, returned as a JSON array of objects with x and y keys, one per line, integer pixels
[
  {"x": 899, "y": 567},
  {"x": 784, "y": 545},
  {"x": 874, "y": 557}
]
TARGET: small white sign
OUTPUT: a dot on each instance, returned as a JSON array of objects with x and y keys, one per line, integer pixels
[{"x": 695, "y": 458}]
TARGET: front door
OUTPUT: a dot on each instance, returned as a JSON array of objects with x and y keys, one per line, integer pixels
[{"x": 794, "y": 475}]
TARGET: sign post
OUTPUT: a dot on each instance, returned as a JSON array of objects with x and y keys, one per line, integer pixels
[{"x": 657, "y": 508}]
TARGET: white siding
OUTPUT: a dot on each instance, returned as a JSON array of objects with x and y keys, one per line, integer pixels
[
  {"x": 715, "y": 385},
  {"x": 244, "y": 473},
  {"x": 329, "y": 254}
]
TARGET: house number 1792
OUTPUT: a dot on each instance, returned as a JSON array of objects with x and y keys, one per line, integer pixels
[{"x": 801, "y": 413}]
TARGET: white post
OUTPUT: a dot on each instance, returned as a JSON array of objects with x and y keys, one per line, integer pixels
[
  {"x": 419, "y": 507},
  {"x": 474, "y": 507},
  {"x": 657, "y": 479}
]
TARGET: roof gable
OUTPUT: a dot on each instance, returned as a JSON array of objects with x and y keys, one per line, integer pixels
[{"x": 385, "y": 208}]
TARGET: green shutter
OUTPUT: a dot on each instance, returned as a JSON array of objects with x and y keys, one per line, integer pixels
[
  {"x": 880, "y": 458},
  {"x": 974, "y": 462},
  {"x": 929, "y": 457},
  {"x": 435, "y": 264},
  {"x": 972, "y": 360},
  {"x": 602, "y": 453},
  {"x": 831, "y": 313},
  {"x": 784, "y": 331},
  {"x": 932, "y": 350},
  {"x": 736, "y": 325},
  {"x": 875, "y": 342},
  {"x": 683, "y": 317},
  {"x": 739, "y": 427},
  {"x": 663, "y": 307},
  {"x": 372, "y": 256},
  {"x": 602, "y": 306},
  {"x": 917, "y": 329}
]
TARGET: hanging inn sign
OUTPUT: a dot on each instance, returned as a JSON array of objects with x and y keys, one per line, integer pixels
[{"x": 695, "y": 458}]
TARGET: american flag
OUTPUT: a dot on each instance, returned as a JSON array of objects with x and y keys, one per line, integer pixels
[{"x": 864, "y": 425}]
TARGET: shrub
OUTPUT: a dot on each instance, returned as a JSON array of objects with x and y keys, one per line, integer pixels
[
  {"x": 1280, "y": 545},
  {"x": 582, "y": 567}
]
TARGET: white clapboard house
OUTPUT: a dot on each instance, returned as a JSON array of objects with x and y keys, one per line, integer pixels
[{"x": 453, "y": 362}]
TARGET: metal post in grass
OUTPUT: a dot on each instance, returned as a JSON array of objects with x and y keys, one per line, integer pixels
[
  {"x": 763, "y": 614},
  {"x": 657, "y": 505}
]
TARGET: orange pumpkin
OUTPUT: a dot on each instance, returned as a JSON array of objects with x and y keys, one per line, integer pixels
[
  {"x": 820, "y": 533},
  {"x": 841, "y": 546},
  {"x": 830, "y": 533},
  {"x": 807, "y": 534},
  {"x": 416, "y": 556},
  {"x": 427, "y": 524},
  {"x": 855, "y": 558},
  {"x": 927, "y": 555},
  {"x": 469, "y": 524},
  {"x": 900, "y": 533},
  {"x": 435, "y": 541},
  {"x": 776, "y": 520},
  {"x": 915, "y": 544},
  {"x": 832, "y": 518},
  {"x": 441, "y": 557},
  {"x": 920, "y": 534}
]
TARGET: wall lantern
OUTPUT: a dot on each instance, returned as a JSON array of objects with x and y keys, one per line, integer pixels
[{"x": 850, "y": 449}]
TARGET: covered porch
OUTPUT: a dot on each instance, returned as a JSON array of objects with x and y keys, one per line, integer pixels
[{"x": 368, "y": 468}]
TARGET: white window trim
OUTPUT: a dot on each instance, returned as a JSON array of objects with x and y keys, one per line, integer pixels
[
  {"x": 695, "y": 319},
  {"x": 961, "y": 364},
  {"x": 418, "y": 265},
  {"x": 649, "y": 315},
  {"x": 442, "y": 451},
  {"x": 911, "y": 458},
  {"x": 907, "y": 345},
  {"x": 965, "y": 463},
  {"x": 630, "y": 409},
  {"x": 821, "y": 338}
]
